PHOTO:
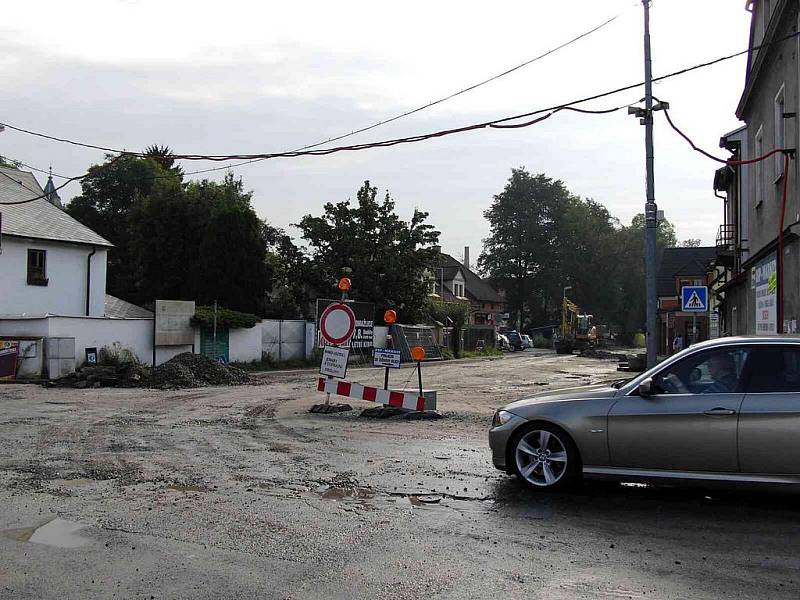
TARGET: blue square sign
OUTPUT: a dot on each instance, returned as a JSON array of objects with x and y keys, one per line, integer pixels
[{"x": 694, "y": 298}]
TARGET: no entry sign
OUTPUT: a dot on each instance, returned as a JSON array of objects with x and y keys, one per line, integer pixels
[{"x": 337, "y": 323}]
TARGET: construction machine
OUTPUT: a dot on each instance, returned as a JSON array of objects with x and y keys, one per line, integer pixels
[{"x": 577, "y": 330}]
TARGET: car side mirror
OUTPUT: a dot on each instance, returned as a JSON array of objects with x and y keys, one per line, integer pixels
[{"x": 646, "y": 388}]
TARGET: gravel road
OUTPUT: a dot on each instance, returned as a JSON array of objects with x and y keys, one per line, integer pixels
[{"x": 239, "y": 492}]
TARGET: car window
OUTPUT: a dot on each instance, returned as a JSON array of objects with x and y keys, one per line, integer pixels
[
  {"x": 773, "y": 369},
  {"x": 715, "y": 371}
]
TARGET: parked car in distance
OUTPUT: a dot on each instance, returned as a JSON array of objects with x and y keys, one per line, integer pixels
[
  {"x": 722, "y": 411},
  {"x": 514, "y": 339},
  {"x": 527, "y": 342}
]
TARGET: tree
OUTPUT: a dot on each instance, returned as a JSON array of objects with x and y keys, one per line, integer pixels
[
  {"x": 109, "y": 192},
  {"x": 203, "y": 242},
  {"x": 388, "y": 259},
  {"x": 197, "y": 241},
  {"x": 691, "y": 243},
  {"x": 519, "y": 254},
  {"x": 544, "y": 238},
  {"x": 163, "y": 156}
]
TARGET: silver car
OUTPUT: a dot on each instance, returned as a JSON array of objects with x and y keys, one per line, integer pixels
[{"x": 726, "y": 410}]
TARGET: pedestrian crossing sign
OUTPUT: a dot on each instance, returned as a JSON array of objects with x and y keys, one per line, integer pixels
[{"x": 694, "y": 298}]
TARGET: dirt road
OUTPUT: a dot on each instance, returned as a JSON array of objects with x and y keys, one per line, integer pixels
[{"x": 241, "y": 493}]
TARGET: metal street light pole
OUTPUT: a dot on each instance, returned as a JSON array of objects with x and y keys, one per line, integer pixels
[{"x": 650, "y": 209}]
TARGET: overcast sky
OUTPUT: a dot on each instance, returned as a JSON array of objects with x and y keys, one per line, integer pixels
[{"x": 247, "y": 77}]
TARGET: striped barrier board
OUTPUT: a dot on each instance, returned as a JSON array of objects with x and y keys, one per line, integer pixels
[{"x": 407, "y": 400}]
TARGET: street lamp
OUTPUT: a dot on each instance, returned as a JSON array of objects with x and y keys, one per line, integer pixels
[{"x": 566, "y": 287}]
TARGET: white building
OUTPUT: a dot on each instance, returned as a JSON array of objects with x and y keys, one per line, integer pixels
[{"x": 50, "y": 264}]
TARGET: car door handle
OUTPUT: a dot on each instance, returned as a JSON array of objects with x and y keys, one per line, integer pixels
[{"x": 716, "y": 412}]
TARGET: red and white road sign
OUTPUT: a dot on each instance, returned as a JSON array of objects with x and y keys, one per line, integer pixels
[
  {"x": 337, "y": 324},
  {"x": 408, "y": 400}
]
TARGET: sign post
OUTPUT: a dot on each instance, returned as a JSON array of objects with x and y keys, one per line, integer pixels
[
  {"x": 694, "y": 299},
  {"x": 336, "y": 326}
]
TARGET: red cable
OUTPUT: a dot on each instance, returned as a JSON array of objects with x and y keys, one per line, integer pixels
[
  {"x": 786, "y": 155},
  {"x": 779, "y": 264}
]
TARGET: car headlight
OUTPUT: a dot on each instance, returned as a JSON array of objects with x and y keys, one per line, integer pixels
[{"x": 501, "y": 417}]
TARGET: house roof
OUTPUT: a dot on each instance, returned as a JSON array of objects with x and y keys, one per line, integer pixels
[
  {"x": 38, "y": 219},
  {"x": 476, "y": 288},
  {"x": 675, "y": 262},
  {"x": 117, "y": 308}
]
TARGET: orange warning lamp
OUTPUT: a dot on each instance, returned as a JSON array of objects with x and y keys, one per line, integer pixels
[
  {"x": 344, "y": 284},
  {"x": 390, "y": 317},
  {"x": 418, "y": 353}
]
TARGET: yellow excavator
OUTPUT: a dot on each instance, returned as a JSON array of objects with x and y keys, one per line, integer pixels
[{"x": 577, "y": 330}]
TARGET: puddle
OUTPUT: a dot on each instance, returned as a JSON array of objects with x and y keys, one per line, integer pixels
[
  {"x": 59, "y": 533},
  {"x": 348, "y": 493},
  {"x": 423, "y": 500}
]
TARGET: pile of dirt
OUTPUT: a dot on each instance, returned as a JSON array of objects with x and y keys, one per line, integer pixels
[
  {"x": 189, "y": 370},
  {"x": 601, "y": 354},
  {"x": 95, "y": 376}
]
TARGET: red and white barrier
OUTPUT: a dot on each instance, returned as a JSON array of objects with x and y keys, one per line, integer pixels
[{"x": 408, "y": 400}]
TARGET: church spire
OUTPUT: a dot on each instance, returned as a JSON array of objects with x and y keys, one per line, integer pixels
[{"x": 50, "y": 193}]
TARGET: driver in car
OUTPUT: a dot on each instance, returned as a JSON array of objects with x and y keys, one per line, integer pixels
[{"x": 722, "y": 370}]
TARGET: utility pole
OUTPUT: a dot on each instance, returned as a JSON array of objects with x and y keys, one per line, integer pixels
[{"x": 650, "y": 209}]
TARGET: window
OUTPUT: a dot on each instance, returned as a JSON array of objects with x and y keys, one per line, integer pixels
[
  {"x": 780, "y": 131},
  {"x": 37, "y": 267},
  {"x": 458, "y": 289},
  {"x": 773, "y": 369},
  {"x": 712, "y": 372},
  {"x": 759, "y": 168}
]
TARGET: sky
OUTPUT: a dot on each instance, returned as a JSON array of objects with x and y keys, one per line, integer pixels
[{"x": 246, "y": 77}]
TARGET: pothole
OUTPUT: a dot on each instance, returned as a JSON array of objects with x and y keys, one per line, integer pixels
[{"x": 57, "y": 532}]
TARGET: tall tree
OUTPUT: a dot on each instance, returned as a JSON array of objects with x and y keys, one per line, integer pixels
[
  {"x": 388, "y": 259},
  {"x": 108, "y": 194},
  {"x": 519, "y": 253},
  {"x": 204, "y": 243}
]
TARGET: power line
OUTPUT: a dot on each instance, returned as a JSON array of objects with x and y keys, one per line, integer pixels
[
  {"x": 497, "y": 123},
  {"x": 322, "y": 152},
  {"x": 305, "y": 152},
  {"x": 363, "y": 129}
]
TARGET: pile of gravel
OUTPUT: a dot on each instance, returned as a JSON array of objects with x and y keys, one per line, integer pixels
[
  {"x": 189, "y": 370},
  {"x": 601, "y": 354}
]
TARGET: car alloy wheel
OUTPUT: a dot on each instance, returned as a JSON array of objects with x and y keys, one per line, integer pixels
[{"x": 542, "y": 458}]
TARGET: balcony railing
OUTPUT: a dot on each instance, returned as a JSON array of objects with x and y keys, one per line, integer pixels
[{"x": 726, "y": 237}]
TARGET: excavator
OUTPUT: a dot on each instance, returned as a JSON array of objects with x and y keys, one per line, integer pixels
[{"x": 577, "y": 330}]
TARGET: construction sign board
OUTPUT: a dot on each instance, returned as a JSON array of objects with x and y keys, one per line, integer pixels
[
  {"x": 364, "y": 315},
  {"x": 334, "y": 361},
  {"x": 694, "y": 298},
  {"x": 337, "y": 324},
  {"x": 386, "y": 357}
]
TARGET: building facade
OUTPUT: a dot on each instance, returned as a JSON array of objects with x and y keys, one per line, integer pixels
[
  {"x": 454, "y": 281},
  {"x": 49, "y": 262},
  {"x": 747, "y": 276},
  {"x": 679, "y": 267}
]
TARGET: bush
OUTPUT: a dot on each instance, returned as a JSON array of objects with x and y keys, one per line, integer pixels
[
  {"x": 116, "y": 355},
  {"x": 226, "y": 318},
  {"x": 539, "y": 341}
]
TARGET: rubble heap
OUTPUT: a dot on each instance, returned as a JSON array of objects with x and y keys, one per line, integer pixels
[
  {"x": 189, "y": 370},
  {"x": 185, "y": 370},
  {"x": 95, "y": 376}
]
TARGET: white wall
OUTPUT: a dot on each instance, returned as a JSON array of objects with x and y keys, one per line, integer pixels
[
  {"x": 244, "y": 345},
  {"x": 135, "y": 335},
  {"x": 65, "y": 292}
]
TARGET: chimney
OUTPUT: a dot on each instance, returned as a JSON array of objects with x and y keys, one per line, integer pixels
[{"x": 466, "y": 257}]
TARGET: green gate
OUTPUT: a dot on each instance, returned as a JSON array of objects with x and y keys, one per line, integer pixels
[{"x": 207, "y": 343}]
